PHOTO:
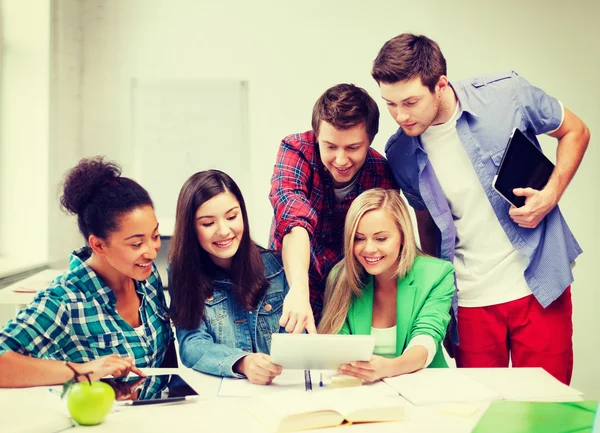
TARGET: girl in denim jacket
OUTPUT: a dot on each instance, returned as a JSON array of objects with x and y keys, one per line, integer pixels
[{"x": 226, "y": 292}]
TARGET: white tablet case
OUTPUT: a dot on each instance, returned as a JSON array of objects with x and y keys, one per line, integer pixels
[{"x": 320, "y": 352}]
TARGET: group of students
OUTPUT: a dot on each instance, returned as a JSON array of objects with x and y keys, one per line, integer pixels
[{"x": 342, "y": 257}]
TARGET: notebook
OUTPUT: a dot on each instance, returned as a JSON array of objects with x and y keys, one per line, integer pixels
[
  {"x": 523, "y": 166},
  {"x": 288, "y": 380},
  {"x": 523, "y": 383},
  {"x": 537, "y": 417},
  {"x": 297, "y": 410}
]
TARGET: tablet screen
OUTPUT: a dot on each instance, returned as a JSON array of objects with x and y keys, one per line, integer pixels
[
  {"x": 523, "y": 166},
  {"x": 159, "y": 387}
]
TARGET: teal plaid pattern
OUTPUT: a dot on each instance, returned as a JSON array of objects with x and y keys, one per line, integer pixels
[{"x": 75, "y": 319}]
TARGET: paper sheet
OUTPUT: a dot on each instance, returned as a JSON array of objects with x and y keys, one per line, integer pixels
[
  {"x": 443, "y": 385},
  {"x": 289, "y": 380},
  {"x": 50, "y": 413},
  {"x": 522, "y": 383}
]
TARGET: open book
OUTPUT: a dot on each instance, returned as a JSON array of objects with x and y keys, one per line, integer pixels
[{"x": 297, "y": 410}]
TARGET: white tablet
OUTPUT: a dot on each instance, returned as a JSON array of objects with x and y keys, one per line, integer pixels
[{"x": 320, "y": 352}]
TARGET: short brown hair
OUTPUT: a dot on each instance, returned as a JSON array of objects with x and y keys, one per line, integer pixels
[
  {"x": 407, "y": 56},
  {"x": 344, "y": 106}
]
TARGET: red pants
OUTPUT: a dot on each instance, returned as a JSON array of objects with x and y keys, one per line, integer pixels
[{"x": 531, "y": 335}]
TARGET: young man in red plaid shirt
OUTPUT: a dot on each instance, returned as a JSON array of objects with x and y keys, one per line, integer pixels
[{"x": 317, "y": 175}]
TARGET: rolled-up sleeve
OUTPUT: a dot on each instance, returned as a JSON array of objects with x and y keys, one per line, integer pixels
[
  {"x": 39, "y": 330},
  {"x": 289, "y": 194},
  {"x": 428, "y": 343},
  {"x": 542, "y": 112}
]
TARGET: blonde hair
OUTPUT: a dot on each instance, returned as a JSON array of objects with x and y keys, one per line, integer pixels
[{"x": 348, "y": 277}]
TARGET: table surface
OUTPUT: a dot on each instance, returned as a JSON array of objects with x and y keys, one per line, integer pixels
[
  {"x": 36, "y": 282},
  {"x": 40, "y": 281},
  {"x": 213, "y": 413}
]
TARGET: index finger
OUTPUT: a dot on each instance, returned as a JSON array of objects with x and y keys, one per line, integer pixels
[
  {"x": 310, "y": 326},
  {"x": 284, "y": 318},
  {"x": 137, "y": 371},
  {"x": 300, "y": 325}
]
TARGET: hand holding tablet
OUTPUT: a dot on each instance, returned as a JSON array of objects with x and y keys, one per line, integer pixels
[
  {"x": 523, "y": 166},
  {"x": 319, "y": 351}
]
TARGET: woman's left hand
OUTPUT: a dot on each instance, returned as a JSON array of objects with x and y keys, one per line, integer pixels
[{"x": 370, "y": 371}]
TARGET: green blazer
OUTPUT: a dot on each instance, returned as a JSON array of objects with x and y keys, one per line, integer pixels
[{"x": 423, "y": 303}]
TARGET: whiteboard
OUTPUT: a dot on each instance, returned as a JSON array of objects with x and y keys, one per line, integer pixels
[{"x": 181, "y": 127}]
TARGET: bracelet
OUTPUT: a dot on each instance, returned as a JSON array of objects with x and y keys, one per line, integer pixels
[{"x": 76, "y": 374}]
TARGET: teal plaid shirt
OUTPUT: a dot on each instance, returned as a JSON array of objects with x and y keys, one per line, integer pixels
[{"x": 76, "y": 319}]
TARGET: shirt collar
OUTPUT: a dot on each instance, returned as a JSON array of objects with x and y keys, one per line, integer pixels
[
  {"x": 88, "y": 281},
  {"x": 465, "y": 107},
  {"x": 414, "y": 143}
]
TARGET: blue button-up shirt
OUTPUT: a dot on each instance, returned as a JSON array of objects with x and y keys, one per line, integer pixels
[{"x": 491, "y": 107}]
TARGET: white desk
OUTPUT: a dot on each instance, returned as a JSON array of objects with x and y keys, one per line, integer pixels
[
  {"x": 226, "y": 414},
  {"x": 223, "y": 414},
  {"x": 39, "y": 281}
]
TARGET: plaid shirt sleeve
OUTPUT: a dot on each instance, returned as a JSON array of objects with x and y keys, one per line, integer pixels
[
  {"x": 40, "y": 329},
  {"x": 290, "y": 194}
]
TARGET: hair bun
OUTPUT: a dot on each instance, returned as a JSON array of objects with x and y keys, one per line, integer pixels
[{"x": 83, "y": 180}]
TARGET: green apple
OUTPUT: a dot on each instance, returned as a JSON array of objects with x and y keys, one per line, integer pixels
[{"x": 89, "y": 403}]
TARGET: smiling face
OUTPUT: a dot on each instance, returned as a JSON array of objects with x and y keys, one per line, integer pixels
[
  {"x": 377, "y": 243},
  {"x": 413, "y": 106},
  {"x": 220, "y": 227},
  {"x": 343, "y": 152},
  {"x": 135, "y": 244}
]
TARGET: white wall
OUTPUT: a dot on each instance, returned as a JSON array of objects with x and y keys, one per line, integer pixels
[
  {"x": 65, "y": 132},
  {"x": 41, "y": 129},
  {"x": 290, "y": 53},
  {"x": 24, "y": 130}
]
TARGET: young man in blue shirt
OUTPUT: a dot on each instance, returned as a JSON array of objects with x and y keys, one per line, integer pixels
[{"x": 513, "y": 265}]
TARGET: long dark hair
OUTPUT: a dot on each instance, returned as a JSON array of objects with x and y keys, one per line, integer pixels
[
  {"x": 95, "y": 191},
  {"x": 192, "y": 272}
]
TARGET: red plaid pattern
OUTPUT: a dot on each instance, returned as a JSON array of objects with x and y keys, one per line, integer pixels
[{"x": 302, "y": 195}]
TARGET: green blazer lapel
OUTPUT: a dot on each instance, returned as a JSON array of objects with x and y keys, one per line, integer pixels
[
  {"x": 405, "y": 300},
  {"x": 362, "y": 311}
]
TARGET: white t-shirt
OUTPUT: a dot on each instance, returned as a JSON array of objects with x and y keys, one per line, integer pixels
[{"x": 489, "y": 270}]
